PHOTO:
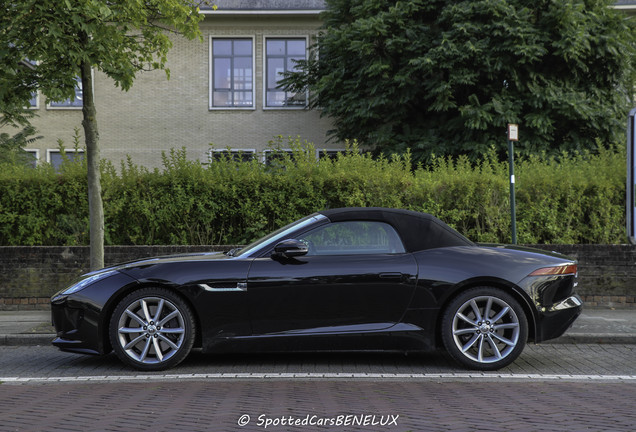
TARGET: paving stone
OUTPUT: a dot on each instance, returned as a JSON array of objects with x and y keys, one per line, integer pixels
[
  {"x": 295, "y": 405},
  {"x": 550, "y": 388}
]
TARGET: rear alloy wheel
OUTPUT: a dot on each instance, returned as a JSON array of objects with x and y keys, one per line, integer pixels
[
  {"x": 152, "y": 329},
  {"x": 484, "y": 328}
]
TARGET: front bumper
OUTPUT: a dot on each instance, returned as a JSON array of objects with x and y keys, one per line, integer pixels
[
  {"x": 79, "y": 317},
  {"x": 553, "y": 322},
  {"x": 76, "y": 328}
]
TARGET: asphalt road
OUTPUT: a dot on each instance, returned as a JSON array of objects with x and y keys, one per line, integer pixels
[{"x": 558, "y": 387}]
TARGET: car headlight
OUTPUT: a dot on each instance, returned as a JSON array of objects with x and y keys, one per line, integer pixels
[{"x": 86, "y": 282}]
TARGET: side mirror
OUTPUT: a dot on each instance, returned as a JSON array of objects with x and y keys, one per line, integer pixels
[{"x": 290, "y": 248}]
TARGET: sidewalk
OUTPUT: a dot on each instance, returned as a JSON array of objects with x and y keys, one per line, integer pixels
[
  {"x": 593, "y": 326},
  {"x": 26, "y": 328}
]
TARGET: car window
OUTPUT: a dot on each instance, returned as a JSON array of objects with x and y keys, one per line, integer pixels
[
  {"x": 354, "y": 237},
  {"x": 278, "y": 234}
]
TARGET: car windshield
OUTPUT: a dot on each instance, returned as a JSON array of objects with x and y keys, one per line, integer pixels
[{"x": 279, "y": 234}]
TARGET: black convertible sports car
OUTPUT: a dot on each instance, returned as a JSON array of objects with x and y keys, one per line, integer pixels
[{"x": 342, "y": 279}]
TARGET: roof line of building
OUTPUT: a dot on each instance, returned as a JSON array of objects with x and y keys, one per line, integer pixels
[
  {"x": 262, "y": 12},
  {"x": 290, "y": 11}
]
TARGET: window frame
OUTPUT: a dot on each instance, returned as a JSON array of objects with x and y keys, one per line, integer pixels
[
  {"x": 70, "y": 107},
  {"x": 50, "y": 151},
  {"x": 266, "y": 152},
  {"x": 36, "y": 93},
  {"x": 265, "y": 71},
  {"x": 328, "y": 153},
  {"x": 233, "y": 152},
  {"x": 36, "y": 153},
  {"x": 36, "y": 96},
  {"x": 211, "y": 106},
  {"x": 395, "y": 236}
]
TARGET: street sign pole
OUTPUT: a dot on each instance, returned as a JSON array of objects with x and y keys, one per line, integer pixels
[
  {"x": 513, "y": 135},
  {"x": 631, "y": 177}
]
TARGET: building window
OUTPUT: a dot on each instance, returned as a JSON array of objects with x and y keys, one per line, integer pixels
[
  {"x": 232, "y": 73},
  {"x": 353, "y": 238},
  {"x": 32, "y": 157},
  {"x": 237, "y": 155},
  {"x": 33, "y": 102},
  {"x": 277, "y": 156},
  {"x": 281, "y": 56},
  {"x": 55, "y": 158},
  {"x": 328, "y": 154},
  {"x": 76, "y": 102}
]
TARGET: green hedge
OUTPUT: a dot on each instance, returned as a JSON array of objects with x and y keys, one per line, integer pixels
[{"x": 572, "y": 199}]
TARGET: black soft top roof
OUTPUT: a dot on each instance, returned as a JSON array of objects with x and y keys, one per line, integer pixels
[{"x": 418, "y": 231}]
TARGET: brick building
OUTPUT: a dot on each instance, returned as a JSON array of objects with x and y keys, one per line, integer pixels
[{"x": 220, "y": 91}]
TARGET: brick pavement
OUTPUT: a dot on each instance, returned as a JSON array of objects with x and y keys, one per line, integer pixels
[
  {"x": 533, "y": 394},
  {"x": 220, "y": 405},
  {"x": 547, "y": 359}
]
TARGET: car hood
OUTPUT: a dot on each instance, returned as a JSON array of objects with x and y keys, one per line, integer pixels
[
  {"x": 186, "y": 269},
  {"x": 199, "y": 256}
]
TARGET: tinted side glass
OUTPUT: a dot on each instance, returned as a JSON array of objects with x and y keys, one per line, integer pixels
[{"x": 352, "y": 238}]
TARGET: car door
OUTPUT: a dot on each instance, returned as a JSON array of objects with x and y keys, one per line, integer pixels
[{"x": 356, "y": 276}]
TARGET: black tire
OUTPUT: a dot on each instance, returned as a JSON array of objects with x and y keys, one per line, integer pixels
[
  {"x": 152, "y": 329},
  {"x": 484, "y": 328}
]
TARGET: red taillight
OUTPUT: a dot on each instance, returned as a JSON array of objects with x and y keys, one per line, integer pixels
[{"x": 557, "y": 270}]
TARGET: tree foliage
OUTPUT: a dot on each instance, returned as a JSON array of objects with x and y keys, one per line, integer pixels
[
  {"x": 445, "y": 77},
  {"x": 60, "y": 40},
  {"x": 12, "y": 146}
]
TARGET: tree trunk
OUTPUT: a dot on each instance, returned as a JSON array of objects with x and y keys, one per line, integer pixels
[{"x": 95, "y": 205}]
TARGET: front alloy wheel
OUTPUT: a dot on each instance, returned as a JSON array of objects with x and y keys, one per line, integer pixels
[
  {"x": 152, "y": 329},
  {"x": 484, "y": 328}
]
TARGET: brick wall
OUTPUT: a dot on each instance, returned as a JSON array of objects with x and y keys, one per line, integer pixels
[
  {"x": 30, "y": 275},
  {"x": 607, "y": 273}
]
